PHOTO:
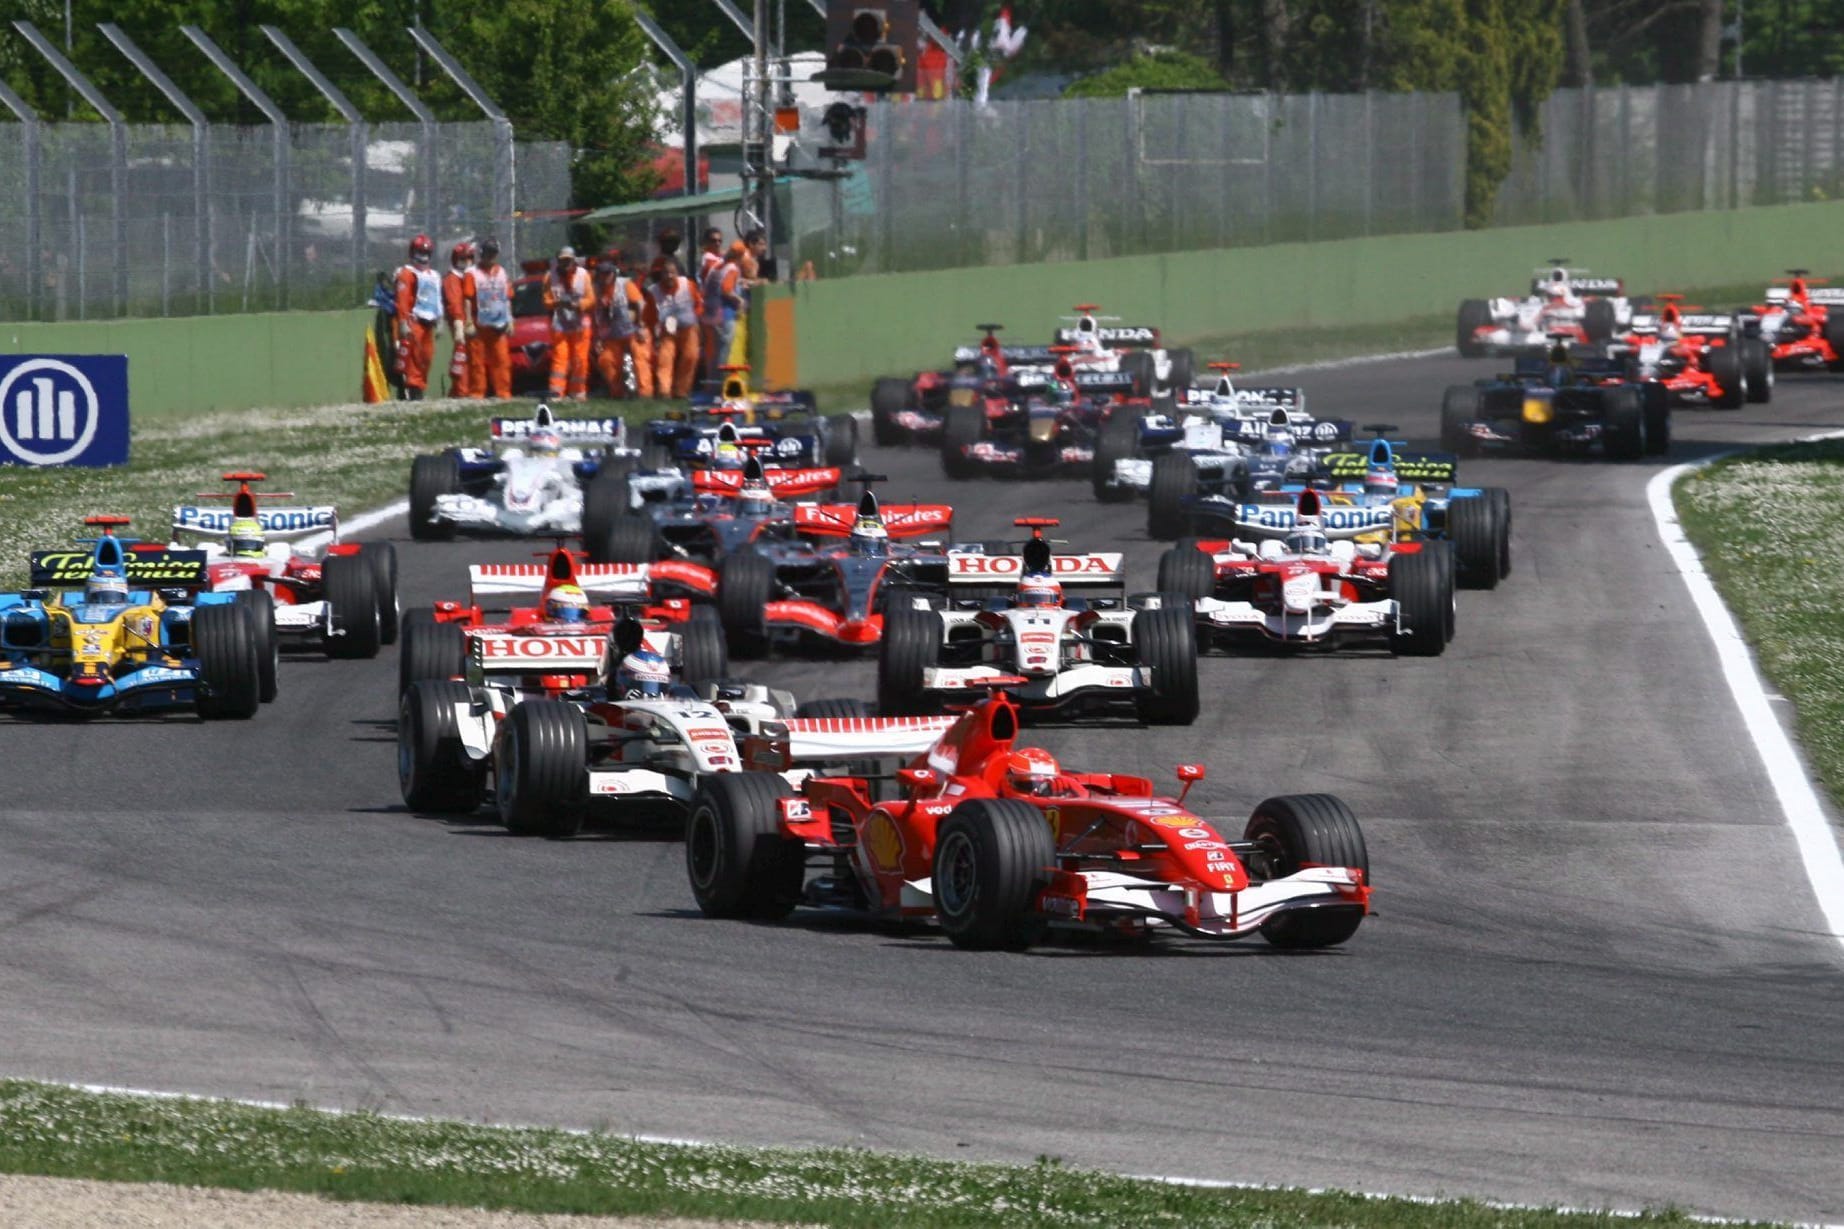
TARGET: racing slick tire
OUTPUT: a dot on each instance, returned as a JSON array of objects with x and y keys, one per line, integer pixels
[
  {"x": 431, "y": 476},
  {"x": 229, "y": 662},
  {"x": 889, "y": 397},
  {"x": 1500, "y": 496},
  {"x": 1181, "y": 370},
  {"x": 352, "y": 590},
  {"x": 1186, "y": 570},
  {"x": 1833, "y": 333},
  {"x": 740, "y": 863},
  {"x": 704, "y": 653},
  {"x": 911, "y": 644},
  {"x": 261, "y": 605},
  {"x": 431, "y": 651},
  {"x": 627, "y": 538},
  {"x": 1165, "y": 639},
  {"x": 961, "y": 426},
  {"x": 745, "y": 585},
  {"x": 1623, "y": 433},
  {"x": 834, "y": 709},
  {"x": 434, "y": 773},
  {"x": 1295, "y": 831},
  {"x": 1174, "y": 480},
  {"x": 1725, "y": 364},
  {"x": 1141, "y": 371},
  {"x": 841, "y": 450},
  {"x": 1599, "y": 320},
  {"x": 382, "y": 556},
  {"x": 1423, "y": 589},
  {"x": 1757, "y": 370},
  {"x": 992, "y": 857},
  {"x": 1480, "y": 540},
  {"x": 605, "y": 500},
  {"x": 1474, "y": 314},
  {"x": 1656, "y": 400},
  {"x": 541, "y": 778},
  {"x": 1461, "y": 404},
  {"x": 1118, "y": 440}
]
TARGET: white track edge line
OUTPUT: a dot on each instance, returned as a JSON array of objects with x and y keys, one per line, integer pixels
[
  {"x": 1786, "y": 771},
  {"x": 358, "y": 524}
]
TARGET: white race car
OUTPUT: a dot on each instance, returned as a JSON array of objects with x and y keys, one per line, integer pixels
[
  {"x": 1566, "y": 302},
  {"x": 532, "y": 479},
  {"x": 1007, "y": 624}
]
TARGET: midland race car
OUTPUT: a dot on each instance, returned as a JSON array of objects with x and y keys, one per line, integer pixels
[
  {"x": 343, "y": 601},
  {"x": 529, "y": 481},
  {"x": 558, "y": 640},
  {"x": 834, "y": 583},
  {"x": 904, "y": 410},
  {"x": 1701, "y": 358},
  {"x": 1419, "y": 491},
  {"x": 1798, "y": 323},
  {"x": 790, "y": 421},
  {"x": 125, "y": 634},
  {"x": 705, "y": 514},
  {"x": 1007, "y": 624},
  {"x": 1571, "y": 402},
  {"x": 1296, "y": 576},
  {"x": 997, "y": 844},
  {"x": 1562, "y": 301},
  {"x": 1188, "y": 495},
  {"x": 1045, "y": 425}
]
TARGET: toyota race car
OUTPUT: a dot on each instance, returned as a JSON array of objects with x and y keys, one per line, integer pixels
[
  {"x": 530, "y": 481},
  {"x": 997, "y": 844},
  {"x": 1587, "y": 310}
]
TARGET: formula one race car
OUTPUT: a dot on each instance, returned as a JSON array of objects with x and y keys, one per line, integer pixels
[
  {"x": 558, "y": 641},
  {"x": 124, "y": 635},
  {"x": 907, "y": 410},
  {"x": 1796, "y": 322},
  {"x": 1587, "y": 310},
  {"x": 529, "y": 482},
  {"x": 1296, "y": 576},
  {"x": 705, "y": 514},
  {"x": 1702, "y": 358},
  {"x": 834, "y": 583},
  {"x": 343, "y": 601},
  {"x": 1007, "y": 623},
  {"x": 1570, "y": 402},
  {"x": 1187, "y": 491},
  {"x": 997, "y": 844},
  {"x": 1044, "y": 426},
  {"x": 789, "y": 423},
  {"x": 1419, "y": 491}
]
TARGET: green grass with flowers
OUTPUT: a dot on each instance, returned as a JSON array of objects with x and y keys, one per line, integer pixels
[
  {"x": 1770, "y": 526},
  {"x": 61, "y": 1132}
]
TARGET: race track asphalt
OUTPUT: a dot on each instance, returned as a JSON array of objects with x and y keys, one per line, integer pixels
[{"x": 1596, "y": 977}]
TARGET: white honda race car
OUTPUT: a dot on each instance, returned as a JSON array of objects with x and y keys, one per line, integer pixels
[
  {"x": 1565, "y": 302},
  {"x": 531, "y": 480},
  {"x": 1007, "y": 625}
]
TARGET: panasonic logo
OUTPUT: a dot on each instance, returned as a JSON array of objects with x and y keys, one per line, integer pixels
[{"x": 273, "y": 520}]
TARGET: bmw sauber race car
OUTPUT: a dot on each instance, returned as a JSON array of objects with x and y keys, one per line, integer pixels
[
  {"x": 833, "y": 584},
  {"x": 112, "y": 628},
  {"x": 705, "y": 514},
  {"x": 1562, "y": 301},
  {"x": 1701, "y": 358},
  {"x": 1296, "y": 575},
  {"x": 1007, "y": 623},
  {"x": 998, "y": 844},
  {"x": 344, "y": 600},
  {"x": 1571, "y": 402},
  {"x": 1797, "y": 323},
  {"x": 528, "y": 482}
]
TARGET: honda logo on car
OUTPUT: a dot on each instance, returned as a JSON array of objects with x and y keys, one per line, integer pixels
[
  {"x": 64, "y": 409},
  {"x": 1010, "y": 565},
  {"x": 539, "y": 648},
  {"x": 1282, "y": 517}
]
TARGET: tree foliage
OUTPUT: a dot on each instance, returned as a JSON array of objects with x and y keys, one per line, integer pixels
[{"x": 1159, "y": 70}]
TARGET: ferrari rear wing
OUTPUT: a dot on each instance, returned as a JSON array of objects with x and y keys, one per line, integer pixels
[
  {"x": 1829, "y": 296},
  {"x": 1707, "y": 324},
  {"x": 276, "y": 522}
]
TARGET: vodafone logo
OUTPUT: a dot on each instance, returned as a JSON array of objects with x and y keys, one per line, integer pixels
[{"x": 49, "y": 412}]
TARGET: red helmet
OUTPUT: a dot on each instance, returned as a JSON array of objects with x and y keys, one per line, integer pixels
[
  {"x": 421, "y": 248},
  {"x": 1031, "y": 771},
  {"x": 461, "y": 251}
]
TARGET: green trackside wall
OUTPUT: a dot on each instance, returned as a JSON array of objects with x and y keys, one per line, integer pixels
[
  {"x": 182, "y": 365},
  {"x": 857, "y": 328}
]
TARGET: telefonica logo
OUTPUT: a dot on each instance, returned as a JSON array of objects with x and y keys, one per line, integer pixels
[{"x": 49, "y": 411}]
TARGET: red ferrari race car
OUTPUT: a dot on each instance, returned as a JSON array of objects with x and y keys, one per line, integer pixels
[
  {"x": 1796, "y": 321},
  {"x": 558, "y": 643},
  {"x": 997, "y": 843},
  {"x": 1702, "y": 358}
]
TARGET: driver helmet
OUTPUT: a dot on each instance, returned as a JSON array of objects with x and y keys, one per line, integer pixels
[
  {"x": 1561, "y": 365},
  {"x": 106, "y": 589},
  {"x": 1557, "y": 287},
  {"x": 545, "y": 442},
  {"x": 245, "y": 540},
  {"x": 1060, "y": 393},
  {"x": 755, "y": 495},
  {"x": 566, "y": 604},
  {"x": 1031, "y": 772},
  {"x": 642, "y": 675},
  {"x": 1038, "y": 589},
  {"x": 1308, "y": 539},
  {"x": 1381, "y": 480},
  {"x": 869, "y": 537},
  {"x": 728, "y": 450},
  {"x": 986, "y": 368}
]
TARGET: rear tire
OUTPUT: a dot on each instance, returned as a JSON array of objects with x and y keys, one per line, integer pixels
[
  {"x": 229, "y": 665},
  {"x": 1118, "y": 440},
  {"x": 1725, "y": 364},
  {"x": 1165, "y": 640},
  {"x": 1141, "y": 372},
  {"x": 434, "y": 773},
  {"x": 431, "y": 476},
  {"x": 541, "y": 778},
  {"x": 739, "y": 862},
  {"x": 1599, "y": 321},
  {"x": 1502, "y": 498},
  {"x": 961, "y": 426},
  {"x": 992, "y": 856},
  {"x": 1656, "y": 400},
  {"x": 1623, "y": 433},
  {"x": 1423, "y": 591},
  {"x": 745, "y": 584},
  {"x": 1188, "y": 572},
  {"x": 1299, "y": 830},
  {"x": 350, "y": 587},
  {"x": 1182, "y": 370},
  {"x": 889, "y": 397},
  {"x": 704, "y": 653},
  {"x": 431, "y": 651},
  {"x": 1174, "y": 482},
  {"x": 606, "y": 499},
  {"x": 1474, "y": 315},
  {"x": 834, "y": 710},
  {"x": 260, "y": 604},
  {"x": 841, "y": 441},
  {"x": 1833, "y": 333},
  {"x": 382, "y": 556},
  {"x": 1461, "y": 406},
  {"x": 911, "y": 644}
]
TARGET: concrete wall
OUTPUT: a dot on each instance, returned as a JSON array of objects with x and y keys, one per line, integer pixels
[{"x": 858, "y": 328}]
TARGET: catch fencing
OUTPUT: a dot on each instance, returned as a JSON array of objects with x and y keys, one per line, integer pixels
[{"x": 99, "y": 221}]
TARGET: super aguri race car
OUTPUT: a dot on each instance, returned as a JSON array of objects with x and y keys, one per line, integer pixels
[
  {"x": 118, "y": 626},
  {"x": 1007, "y": 623},
  {"x": 1572, "y": 402},
  {"x": 1566, "y": 302},
  {"x": 529, "y": 481},
  {"x": 1296, "y": 576},
  {"x": 997, "y": 844}
]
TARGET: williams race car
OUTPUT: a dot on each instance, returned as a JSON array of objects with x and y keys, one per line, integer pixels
[{"x": 786, "y": 425}]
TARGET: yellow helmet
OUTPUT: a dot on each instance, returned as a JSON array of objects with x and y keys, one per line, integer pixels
[{"x": 245, "y": 539}]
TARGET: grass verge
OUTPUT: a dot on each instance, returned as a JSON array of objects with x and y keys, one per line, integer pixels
[
  {"x": 62, "y": 1132},
  {"x": 1770, "y": 528}
]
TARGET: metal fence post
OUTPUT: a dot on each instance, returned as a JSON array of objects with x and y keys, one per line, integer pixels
[
  {"x": 355, "y": 120},
  {"x": 432, "y": 217},
  {"x": 28, "y": 122},
  {"x": 278, "y": 125},
  {"x": 504, "y": 168}
]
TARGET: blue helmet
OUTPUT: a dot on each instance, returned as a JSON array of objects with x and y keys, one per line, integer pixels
[{"x": 642, "y": 675}]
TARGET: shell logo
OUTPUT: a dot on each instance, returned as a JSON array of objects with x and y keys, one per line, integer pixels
[{"x": 884, "y": 842}]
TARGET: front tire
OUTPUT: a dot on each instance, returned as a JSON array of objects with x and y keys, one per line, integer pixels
[
  {"x": 1479, "y": 541},
  {"x": 1188, "y": 572},
  {"x": 704, "y": 653},
  {"x": 841, "y": 441},
  {"x": 1758, "y": 370},
  {"x": 541, "y": 779},
  {"x": 1165, "y": 641},
  {"x": 382, "y": 556},
  {"x": 1174, "y": 482},
  {"x": 626, "y": 538},
  {"x": 1295, "y": 831},
  {"x": 739, "y": 862},
  {"x": 992, "y": 857},
  {"x": 889, "y": 397},
  {"x": 745, "y": 584},
  {"x": 911, "y": 644},
  {"x": 1725, "y": 364},
  {"x": 431, "y": 651},
  {"x": 351, "y": 588},
  {"x": 260, "y": 604},
  {"x": 961, "y": 427},
  {"x": 1474, "y": 314},
  {"x": 1423, "y": 590},
  {"x": 230, "y": 669},
  {"x": 1461, "y": 405},
  {"x": 1118, "y": 440}
]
